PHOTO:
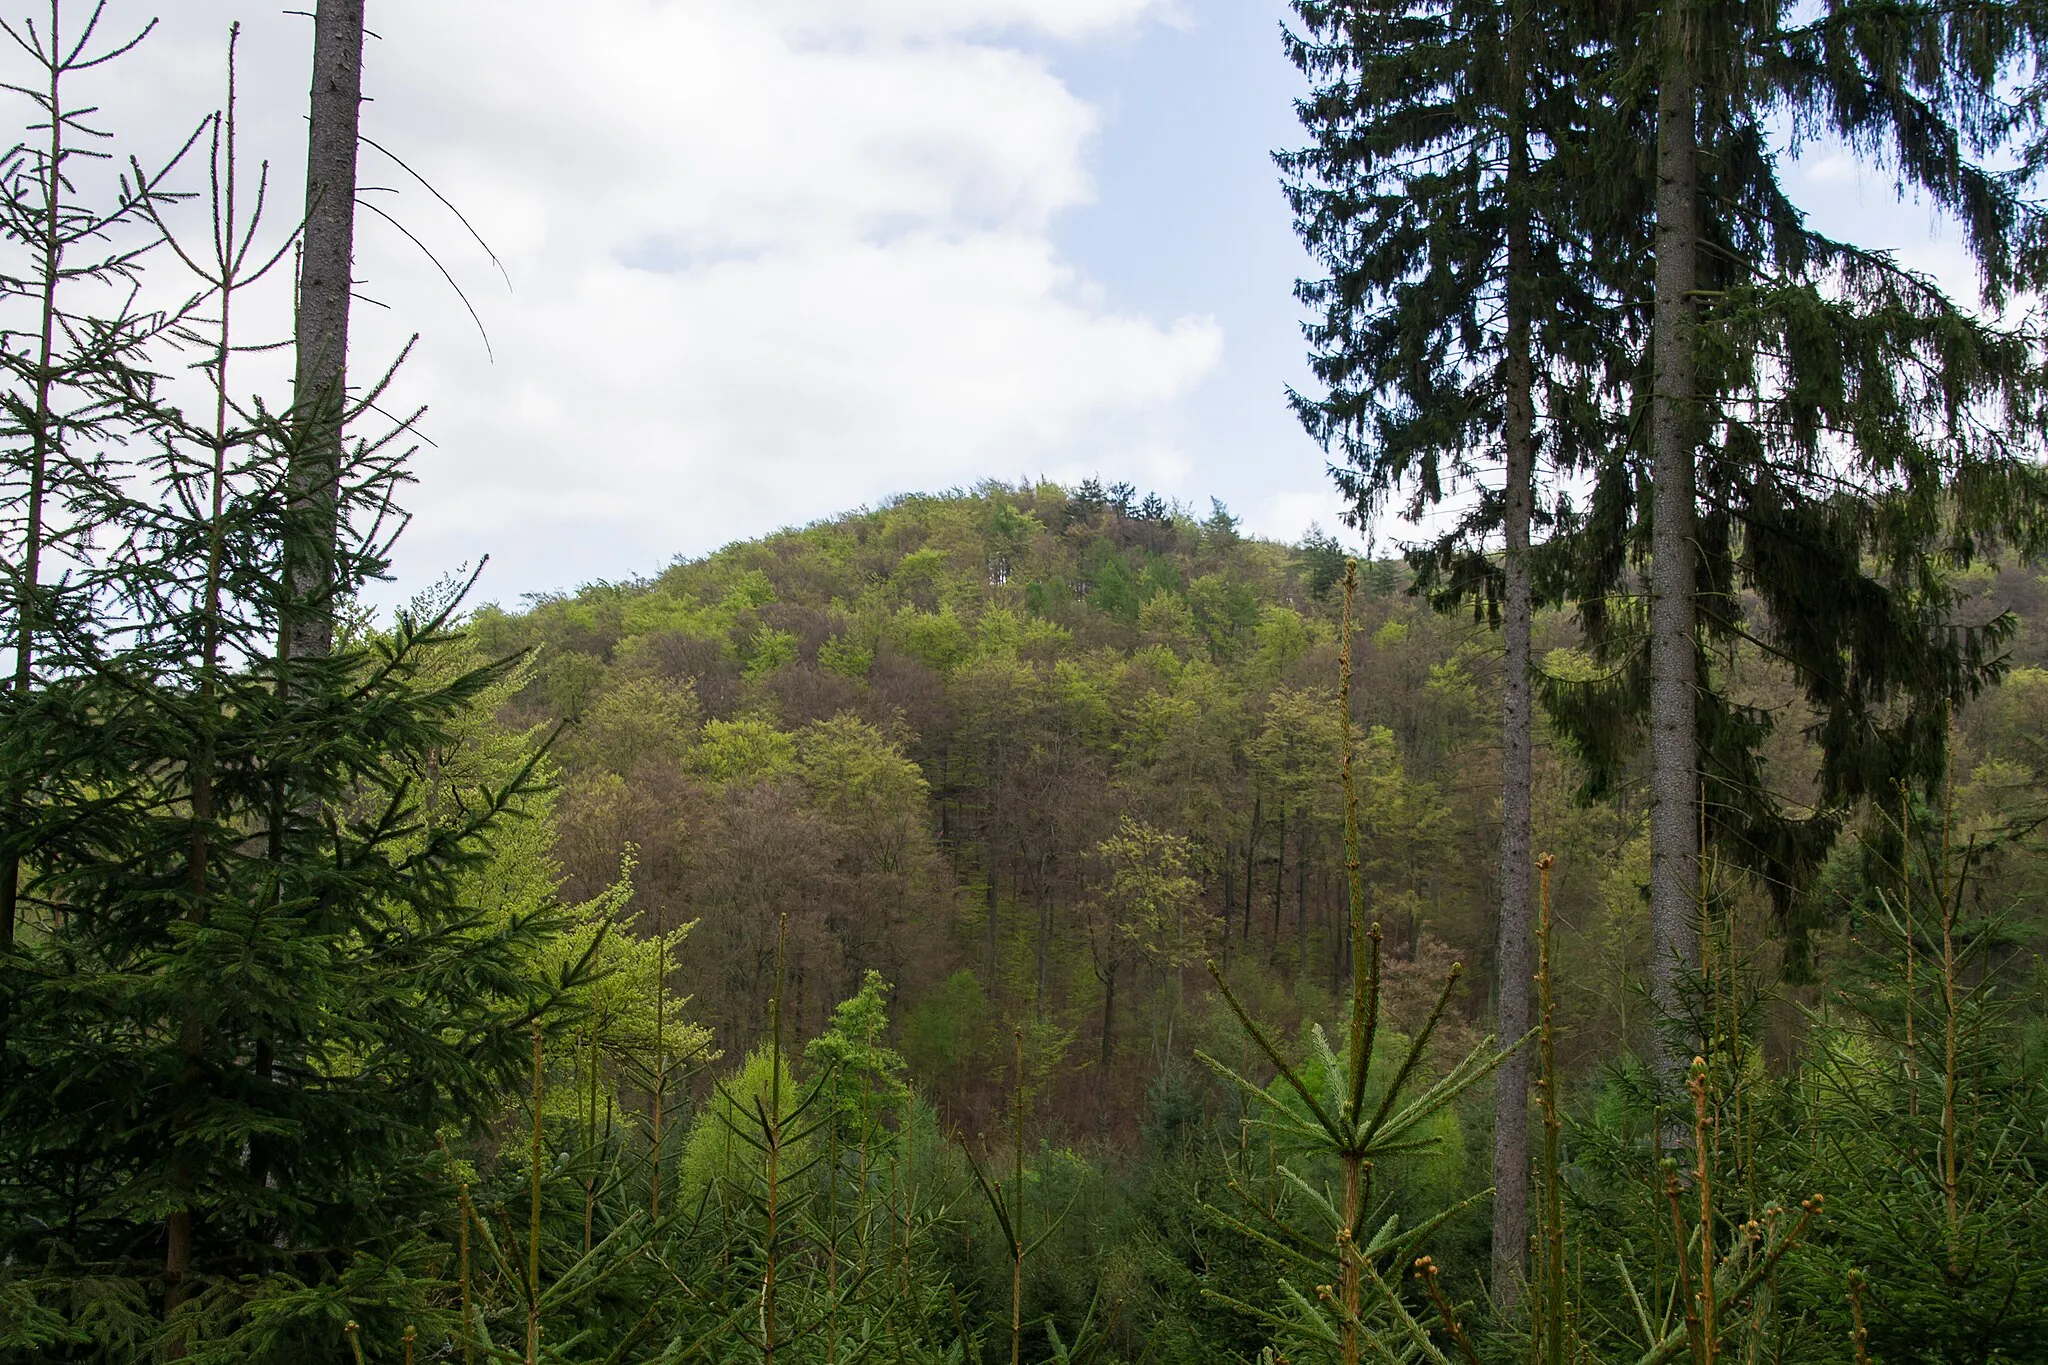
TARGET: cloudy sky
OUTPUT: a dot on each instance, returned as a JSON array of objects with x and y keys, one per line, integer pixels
[{"x": 765, "y": 260}]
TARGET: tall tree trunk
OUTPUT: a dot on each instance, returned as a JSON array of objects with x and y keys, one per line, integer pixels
[
  {"x": 1108, "y": 1017},
  {"x": 1674, "y": 664},
  {"x": 993, "y": 927},
  {"x": 1513, "y": 943},
  {"x": 326, "y": 264},
  {"x": 1279, "y": 876},
  {"x": 1251, "y": 863},
  {"x": 1512, "y": 961},
  {"x": 1301, "y": 913}
]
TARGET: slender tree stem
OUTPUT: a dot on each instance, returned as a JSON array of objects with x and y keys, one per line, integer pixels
[
  {"x": 1361, "y": 940},
  {"x": 467, "y": 1210},
  {"x": 1511, "y": 1084},
  {"x": 1859, "y": 1337},
  {"x": 1682, "y": 1268},
  {"x": 1426, "y": 1268},
  {"x": 1674, "y": 662},
  {"x": 533, "y": 1214},
  {"x": 1704, "y": 1180},
  {"x": 1906, "y": 911},
  {"x": 326, "y": 282},
  {"x": 1347, "y": 1257},
  {"x": 40, "y": 444},
  {"x": 660, "y": 1097},
  {"x": 227, "y": 238},
  {"x": 1553, "y": 1197},
  {"x": 1017, "y": 1214},
  {"x": 772, "y": 1236},
  {"x": 1951, "y": 892}
]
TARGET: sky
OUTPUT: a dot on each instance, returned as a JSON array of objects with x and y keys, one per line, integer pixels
[{"x": 761, "y": 261}]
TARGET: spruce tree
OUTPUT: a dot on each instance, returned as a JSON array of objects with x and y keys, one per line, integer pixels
[
  {"x": 1820, "y": 433},
  {"x": 252, "y": 982},
  {"x": 1917, "y": 1107},
  {"x": 1455, "y": 337},
  {"x": 1673, "y": 665},
  {"x": 73, "y": 373}
]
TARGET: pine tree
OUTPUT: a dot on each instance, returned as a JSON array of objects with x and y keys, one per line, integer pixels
[
  {"x": 1827, "y": 433},
  {"x": 1456, "y": 328},
  {"x": 1917, "y": 1106},
  {"x": 251, "y": 984},
  {"x": 76, "y": 380}
]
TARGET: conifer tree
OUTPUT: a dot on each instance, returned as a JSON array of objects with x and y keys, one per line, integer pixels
[
  {"x": 1827, "y": 432},
  {"x": 1673, "y": 664},
  {"x": 251, "y": 985},
  {"x": 1455, "y": 330},
  {"x": 1917, "y": 1105},
  {"x": 74, "y": 375}
]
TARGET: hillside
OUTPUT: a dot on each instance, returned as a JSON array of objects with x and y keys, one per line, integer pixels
[{"x": 941, "y": 738}]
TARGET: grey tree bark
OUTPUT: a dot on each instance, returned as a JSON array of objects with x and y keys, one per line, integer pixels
[
  {"x": 326, "y": 264},
  {"x": 1513, "y": 942},
  {"x": 1674, "y": 663}
]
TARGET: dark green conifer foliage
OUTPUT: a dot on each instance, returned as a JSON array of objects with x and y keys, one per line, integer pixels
[
  {"x": 1457, "y": 334},
  {"x": 1922, "y": 1103},
  {"x": 246, "y": 992},
  {"x": 1856, "y": 433},
  {"x": 76, "y": 382}
]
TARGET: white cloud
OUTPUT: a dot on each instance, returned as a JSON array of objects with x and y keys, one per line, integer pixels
[
  {"x": 770, "y": 258},
  {"x": 1834, "y": 168},
  {"x": 871, "y": 19},
  {"x": 1287, "y": 515},
  {"x": 1855, "y": 200}
]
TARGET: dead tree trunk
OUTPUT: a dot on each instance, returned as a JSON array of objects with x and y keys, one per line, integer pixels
[{"x": 326, "y": 264}]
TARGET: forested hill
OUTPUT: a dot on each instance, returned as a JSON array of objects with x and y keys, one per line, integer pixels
[{"x": 1036, "y": 754}]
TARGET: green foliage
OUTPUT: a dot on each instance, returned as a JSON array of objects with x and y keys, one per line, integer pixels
[
  {"x": 1281, "y": 638},
  {"x": 768, "y": 650},
  {"x": 749, "y": 749},
  {"x": 866, "y": 1089},
  {"x": 939, "y": 640},
  {"x": 1922, "y": 1111},
  {"x": 1112, "y": 589},
  {"x": 1092, "y": 778},
  {"x": 1225, "y": 609},
  {"x": 1355, "y": 1119},
  {"x": 571, "y": 682},
  {"x": 944, "y": 1032},
  {"x": 848, "y": 660},
  {"x": 852, "y": 769},
  {"x": 638, "y": 720},
  {"x": 1146, "y": 889},
  {"x": 1323, "y": 558},
  {"x": 718, "y": 1149},
  {"x": 276, "y": 929}
]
